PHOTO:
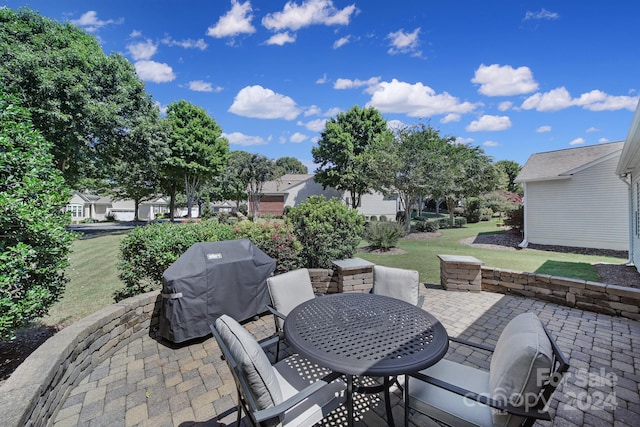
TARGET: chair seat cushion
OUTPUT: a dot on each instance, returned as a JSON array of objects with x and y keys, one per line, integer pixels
[
  {"x": 448, "y": 407},
  {"x": 252, "y": 361},
  {"x": 520, "y": 364},
  {"x": 294, "y": 374}
]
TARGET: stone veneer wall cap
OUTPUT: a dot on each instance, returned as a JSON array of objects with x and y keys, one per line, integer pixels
[{"x": 461, "y": 259}]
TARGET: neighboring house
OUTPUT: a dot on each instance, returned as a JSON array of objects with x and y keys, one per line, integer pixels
[
  {"x": 573, "y": 197},
  {"x": 629, "y": 169},
  {"x": 293, "y": 189},
  {"x": 90, "y": 206},
  {"x": 224, "y": 206}
]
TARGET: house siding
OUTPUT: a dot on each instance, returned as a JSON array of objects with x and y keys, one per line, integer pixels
[
  {"x": 375, "y": 204},
  {"x": 271, "y": 205},
  {"x": 582, "y": 211},
  {"x": 634, "y": 223}
]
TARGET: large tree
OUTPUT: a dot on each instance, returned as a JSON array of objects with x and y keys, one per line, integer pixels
[
  {"x": 34, "y": 243},
  {"x": 231, "y": 184},
  {"x": 289, "y": 165},
  {"x": 80, "y": 100},
  {"x": 199, "y": 152},
  {"x": 510, "y": 169},
  {"x": 342, "y": 151},
  {"x": 258, "y": 170}
]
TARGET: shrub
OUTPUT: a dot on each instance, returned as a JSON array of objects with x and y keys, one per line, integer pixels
[
  {"x": 373, "y": 218},
  {"x": 34, "y": 243},
  {"x": 276, "y": 239},
  {"x": 472, "y": 209},
  {"x": 384, "y": 235},
  {"x": 146, "y": 252},
  {"x": 327, "y": 229},
  {"x": 383, "y": 218},
  {"x": 515, "y": 219},
  {"x": 459, "y": 222},
  {"x": 426, "y": 226},
  {"x": 486, "y": 214}
]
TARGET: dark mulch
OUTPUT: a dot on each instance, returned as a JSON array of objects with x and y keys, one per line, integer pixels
[{"x": 13, "y": 353}]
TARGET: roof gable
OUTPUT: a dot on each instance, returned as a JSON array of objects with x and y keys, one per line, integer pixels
[
  {"x": 630, "y": 157},
  {"x": 284, "y": 183},
  {"x": 564, "y": 163}
]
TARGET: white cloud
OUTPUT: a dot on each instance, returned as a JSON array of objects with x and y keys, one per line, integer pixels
[
  {"x": 261, "y": 103},
  {"x": 596, "y": 100},
  {"x": 402, "y": 42},
  {"x": 505, "y": 105},
  {"x": 460, "y": 140},
  {"x": 90, "y": 22},
  {"x": 234, "y": 22},
  {"x": 187, "y": 43},
  {"x": 603, "y": 140},
  {"x": 153, "y": 71},
  {"x": 237, "y": 138},
  {"x": 135, "y": 33},
  {"x": 489, "y": 123},
  {"x": 504, "y": 80},
  {"x": 541, "y": 14},
  {"x": 543, "y": 129},
  {"x": 351, "y": 84},
  {"x": 415, "y": 100},
  {"x": 332, "y": 112},
  {"x": 311, "y": 12},
  {"x": 341, "y": 42},
  {"x": 314, "y": 125},
  {"x": 281, "y": 38},
  {"x": 142, "y": 50},
  {"x": 452, "y": 117},
  {"x": 298, "y": 137},
  {"x": 396, "y": 124},
  {"x": 577, "y": 141},
  {"x": 202, "y": 86},
  {"x": 592, "y": 129},
  {"x": 491, "y": 144},
  {"x": 314, "y": 110},
  {"x": 322, "y": 80}
]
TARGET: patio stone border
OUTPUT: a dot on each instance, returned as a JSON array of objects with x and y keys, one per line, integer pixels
[{"x": 33, "y": 393}]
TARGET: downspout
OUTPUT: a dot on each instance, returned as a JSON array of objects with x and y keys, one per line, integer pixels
[
  {"x": 525, "y": 242},
  {"x": 630, "y": 208}
]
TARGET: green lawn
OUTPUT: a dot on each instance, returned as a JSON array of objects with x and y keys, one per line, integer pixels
[{"x": 94, "y": 276}]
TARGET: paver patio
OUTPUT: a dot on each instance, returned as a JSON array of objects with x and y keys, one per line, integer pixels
[{"x": 150, "y": 383}]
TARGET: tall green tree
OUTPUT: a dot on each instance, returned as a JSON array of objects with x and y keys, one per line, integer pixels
[
  {"x": 198, "y": 151},
  {"x": 342, "y": 151},
  {"x": 231, "y": 184},
  {"x": 258, "y": 170},
  {"x": 510, "y": 169},
  {"x": 289, "y": 165},
  {"x": 404, "y": 164},
  {"x": 34, "y": 243},
  {"x": 79, "y": 99}
]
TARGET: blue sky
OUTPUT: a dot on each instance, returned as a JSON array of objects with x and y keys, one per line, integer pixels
[{"x": 514, "y": 77}]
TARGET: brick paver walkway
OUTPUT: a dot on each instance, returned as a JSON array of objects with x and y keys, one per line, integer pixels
[{"x": 148, "y": 383}]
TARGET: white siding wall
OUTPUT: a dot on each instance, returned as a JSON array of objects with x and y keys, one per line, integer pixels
[
  {"x": 299, "y": 193},
  {"x": 635, "y": 221},
  {"x": 589, "y": 210},
  {"x": 375, "y": 204}
]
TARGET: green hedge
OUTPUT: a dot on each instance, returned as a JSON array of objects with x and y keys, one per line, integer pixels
[
  {"x": 384, "y": 235},
  {"x": 274, "y": 238}
]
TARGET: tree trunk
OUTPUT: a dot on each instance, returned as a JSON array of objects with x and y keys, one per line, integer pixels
[
  {"x": 136, "y": 204},
  {"x": 172, "y": 202},
  {"x": 451, "y": 202}
]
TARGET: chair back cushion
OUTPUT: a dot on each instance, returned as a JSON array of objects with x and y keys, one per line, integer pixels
[
  {"x": 252, "y": 361},
  {"x": 397, "y": 283},
  {"x": 290, "y": 289},
  {"x": 520, "y": 365}
]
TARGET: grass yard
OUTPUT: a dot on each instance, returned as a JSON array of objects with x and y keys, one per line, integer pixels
[{"x": 94, "y": 276}]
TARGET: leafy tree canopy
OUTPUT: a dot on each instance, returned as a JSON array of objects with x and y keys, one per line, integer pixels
[
  {"x": 34, "y": 242},
  {"x": 79, "y": 99},
  {"x": 289, "y": 165},
  {"x": 510, "y": 169},
  {"x": 342, "y": 151}
]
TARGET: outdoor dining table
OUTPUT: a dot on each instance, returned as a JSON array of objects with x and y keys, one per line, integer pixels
[{"x": 361, "y": 334}]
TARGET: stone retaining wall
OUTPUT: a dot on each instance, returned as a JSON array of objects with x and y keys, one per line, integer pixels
[
  {"x": 32, "y": 394},
  {"x": 592, "y": 296}
]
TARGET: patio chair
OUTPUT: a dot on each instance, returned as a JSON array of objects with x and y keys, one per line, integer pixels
[
  {"x": 293, "y": 392},
  {"x": 287, "y": 291},
  {"x": 397, "y": 283},
  {"x": 526, "y": 367}
]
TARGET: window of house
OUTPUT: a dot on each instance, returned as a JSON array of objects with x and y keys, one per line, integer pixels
[{"x": 76, "y": 210}]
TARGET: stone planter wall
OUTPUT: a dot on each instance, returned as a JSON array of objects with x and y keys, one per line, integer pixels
[
  {"x": 33, "y": 393},
  {"x": 592, "y": 296}
]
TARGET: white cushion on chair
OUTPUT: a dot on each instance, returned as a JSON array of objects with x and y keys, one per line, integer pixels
[
  {"x": 294, "y": 374},
  {"x": 290, "y": 289},
  {"x": 520, "y": 363},
  {"x": 397, "y": 283},
  {"x": 252, "y": 360},
  {"x": 449, "y": 407}
]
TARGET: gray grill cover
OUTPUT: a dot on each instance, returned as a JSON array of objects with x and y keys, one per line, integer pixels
[{"x": 211, "y": 279}]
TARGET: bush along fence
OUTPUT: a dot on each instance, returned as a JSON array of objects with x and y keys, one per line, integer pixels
[{"x": 465, "y": 273}]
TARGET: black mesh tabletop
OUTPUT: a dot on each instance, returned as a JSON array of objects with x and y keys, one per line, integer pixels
[{"x": 366, "y": 334}]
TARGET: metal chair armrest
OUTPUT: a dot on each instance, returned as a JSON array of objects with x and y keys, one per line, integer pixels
[
  {"x": 276, "y": 312},
  {"x": 274, "y": 411},
  {"x": 472, "y": 344},
  {"x": 485, "y": 400},
  {"x": 269, "y": 341}
]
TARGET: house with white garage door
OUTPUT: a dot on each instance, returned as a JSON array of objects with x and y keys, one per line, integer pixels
[{"x": 574, "y": 197}]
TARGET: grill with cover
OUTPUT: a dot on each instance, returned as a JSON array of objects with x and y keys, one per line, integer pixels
[{"x": 211, "y": 279}]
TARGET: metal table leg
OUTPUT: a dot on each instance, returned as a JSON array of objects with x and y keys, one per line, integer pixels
[{"x": 350, "y": 400}]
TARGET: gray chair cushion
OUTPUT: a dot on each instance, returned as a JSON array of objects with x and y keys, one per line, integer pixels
[
  {"x": 294, "y": 374},
  {"x": 290, "y": 289},
  {"x": 397, "y": 283},
  {"x": 520, "y": 363},
  {"x": 252, "y": 361}
]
